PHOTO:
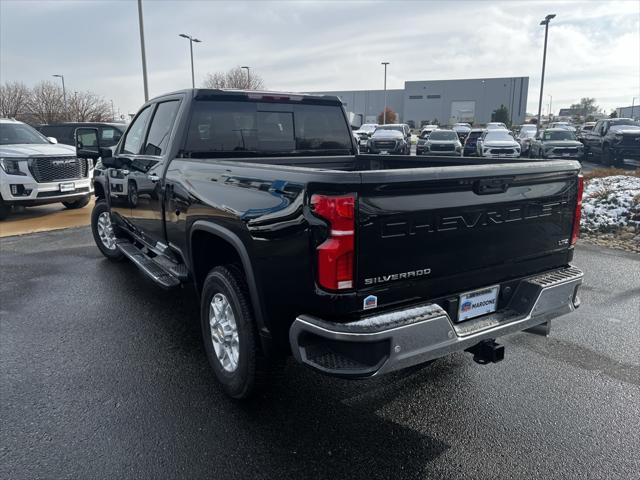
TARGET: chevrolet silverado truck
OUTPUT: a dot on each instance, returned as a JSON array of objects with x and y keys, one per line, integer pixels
[
  {"x": 612, "y": 140},
  {"x": 357, "y": 265}
]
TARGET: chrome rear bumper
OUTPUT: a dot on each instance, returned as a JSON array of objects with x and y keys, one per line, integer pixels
[{"x": 391, "y": 341}]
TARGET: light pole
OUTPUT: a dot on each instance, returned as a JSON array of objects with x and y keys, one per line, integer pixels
[
  {"x": 191, "y": 41},
  {"x": 64, "y": 93},
  {"x": 544, "y": 22},
  {"x": 550, "y": 101},
  {"x": 144, "y": 56},
  {"x": 484, "y": 98},
  {"x": 384, "y": 112},
  {"x": 248, "y": 77}
]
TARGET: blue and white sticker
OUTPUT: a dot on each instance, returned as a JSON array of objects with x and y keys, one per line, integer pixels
[{"x": 370, "y": 302}]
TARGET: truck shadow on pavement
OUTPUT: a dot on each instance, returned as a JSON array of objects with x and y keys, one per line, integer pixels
[{"x": 302, "y": 425}]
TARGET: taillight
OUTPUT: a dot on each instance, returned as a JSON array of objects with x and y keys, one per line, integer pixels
[
  {"x": 335, "y": 254},
  {"x": 576, "y": 218}
]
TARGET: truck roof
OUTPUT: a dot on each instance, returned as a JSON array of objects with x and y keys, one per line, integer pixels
[{"x": 210, "y": 93}]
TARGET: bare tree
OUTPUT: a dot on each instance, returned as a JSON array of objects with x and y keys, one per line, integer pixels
[
  {"x": 14, "y": 99},
  {"x": 46, "y": 104},
  {"x": 88, "y": 107},
  {"x": 235, "y": 78}
]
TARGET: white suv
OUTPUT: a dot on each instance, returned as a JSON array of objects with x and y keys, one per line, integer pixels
[{"x": 35, "y": 170}]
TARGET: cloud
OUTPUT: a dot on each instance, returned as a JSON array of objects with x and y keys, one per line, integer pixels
[{"x": 326, "y": 45}]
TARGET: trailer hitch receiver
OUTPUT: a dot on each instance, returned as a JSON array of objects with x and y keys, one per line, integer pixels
[{"x": 487, "y": 351}]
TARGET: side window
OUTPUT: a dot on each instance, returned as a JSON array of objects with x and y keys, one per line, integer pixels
[
  {"x": 88, "y": 140},
  {"x": 598, "y": 127},
  {"x": 161, "y": 128},
  {"x": 135, "y": 135},
  {"x": 109, "y": 136}
]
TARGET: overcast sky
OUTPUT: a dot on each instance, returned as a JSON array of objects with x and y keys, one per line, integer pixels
[{"x": 594, "y": 46}]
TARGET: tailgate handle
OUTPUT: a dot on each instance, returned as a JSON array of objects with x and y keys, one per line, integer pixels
[{"x": 493, "y": 185}]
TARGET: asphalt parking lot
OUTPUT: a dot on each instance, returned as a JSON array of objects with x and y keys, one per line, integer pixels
[{"x": 104, "y": 376}]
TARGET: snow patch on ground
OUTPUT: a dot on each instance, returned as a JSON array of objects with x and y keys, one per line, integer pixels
[{"x": 611, "y": 203}]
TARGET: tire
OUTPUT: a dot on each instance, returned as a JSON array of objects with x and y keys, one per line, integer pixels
[
  {"x": 132, "y": 195},
  {"x": 5, "y": 209},
  {"x": 605, "y": 156},
  {"x": 238, "y": 378},
  {"x": 618, "y": 161},
  {"x": 108, "y": 250},
  {"x": 81, "y": 203}
]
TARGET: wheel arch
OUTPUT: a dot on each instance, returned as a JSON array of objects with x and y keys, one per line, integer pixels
[
  {"x": 98, "y": 190},
  {"x": 228, "y": 246}
]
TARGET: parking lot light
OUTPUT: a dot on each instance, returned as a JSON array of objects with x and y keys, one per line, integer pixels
[
  {"x": 248, "y": 77},
  {"x": 191, "y": 42},
  {"x": 544, "y": 22},
  {"x": 384, "y": 111},
  {"x": 142, "y": 51},
  {"x": 64, "y": 94}
]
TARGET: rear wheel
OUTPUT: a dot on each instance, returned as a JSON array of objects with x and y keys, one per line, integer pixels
[
  {"x": 606, "y": 158},
  {"x": 132, "y": 195},
  {"x": 229, "y": 332},
  {"x": 80, "y": 203},
  {"x": 103, "y": 231}
]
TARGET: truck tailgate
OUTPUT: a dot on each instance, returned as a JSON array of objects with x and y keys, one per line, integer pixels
[{"x": 427, "y": 226}]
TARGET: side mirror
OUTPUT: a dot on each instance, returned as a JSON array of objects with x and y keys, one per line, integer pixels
[
  {"x": 87, "y": 143},
  {"x": 107, "y": 158},
  {"x": 53, "y": 140}
]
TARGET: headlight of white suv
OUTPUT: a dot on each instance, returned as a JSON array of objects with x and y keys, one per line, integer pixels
[{"x": 11, "y": 166}]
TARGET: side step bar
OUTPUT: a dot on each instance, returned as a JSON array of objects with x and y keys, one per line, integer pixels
[{"x": 148, "y": 265}]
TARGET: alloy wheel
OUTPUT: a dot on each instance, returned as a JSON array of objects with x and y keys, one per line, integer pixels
[{"x": 224, "y": 332}]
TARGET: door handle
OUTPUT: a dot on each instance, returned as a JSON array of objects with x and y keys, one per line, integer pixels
[{"x": 153, "y": 177}]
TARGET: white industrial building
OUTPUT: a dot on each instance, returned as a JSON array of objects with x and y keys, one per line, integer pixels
[{"x": 447, "y": 101}]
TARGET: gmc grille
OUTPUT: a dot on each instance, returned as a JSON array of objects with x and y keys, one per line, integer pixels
[
  {"x": 390, "y": 144},
  {"x": 51, "y": 169}
]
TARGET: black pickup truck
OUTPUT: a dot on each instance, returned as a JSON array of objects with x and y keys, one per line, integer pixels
[
  {"x": 357, "y": 265},
  {"x": 612, "y": 140}
]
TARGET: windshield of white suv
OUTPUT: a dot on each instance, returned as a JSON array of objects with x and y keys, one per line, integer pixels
[
  {"x": 564, "y": 135},
  {"x": 391, "y": 127},
  {"x": 498, "y": 137},
  {"x": 19, "y": 133},
  {"x": 443, "y": 135},
  {"x": 527, "y": 134}
]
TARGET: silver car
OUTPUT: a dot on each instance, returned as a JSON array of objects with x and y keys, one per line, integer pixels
[{"x": 443, "y": 142}]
